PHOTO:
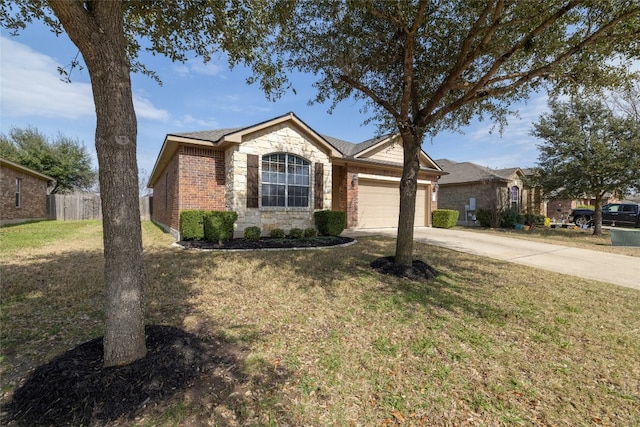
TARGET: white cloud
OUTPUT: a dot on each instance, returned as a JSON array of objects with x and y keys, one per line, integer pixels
[
  {"x": 31, "y": 86},
  {"x": 195, "y": 66},
  {"x": 146, "y": 110},
  {"x": 188, "y": 121}
]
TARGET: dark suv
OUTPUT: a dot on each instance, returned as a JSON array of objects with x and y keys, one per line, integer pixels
[{"x": 614, "y": 214}]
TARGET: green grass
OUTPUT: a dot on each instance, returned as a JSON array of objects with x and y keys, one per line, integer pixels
[
  {"x": 324, "y": 340},
  {"x": 18, "y": 237}
]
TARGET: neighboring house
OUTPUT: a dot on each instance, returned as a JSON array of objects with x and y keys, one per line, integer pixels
[
  {"x": 277, "y": 173},
  {"x": 469, "y": 187},
  {"x": 23, "y": 193},
  {"x": 560, "y": 209}
]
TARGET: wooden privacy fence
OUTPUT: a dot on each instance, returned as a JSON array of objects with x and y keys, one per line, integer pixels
[{"x": 72, "y": 207}]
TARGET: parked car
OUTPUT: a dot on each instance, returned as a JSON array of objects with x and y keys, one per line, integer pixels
[{"x": 614, "y": 214}]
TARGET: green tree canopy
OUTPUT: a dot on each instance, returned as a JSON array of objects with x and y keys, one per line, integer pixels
[
  {"x": 587, "y": 150},
  {"x": 424, "y": 66},
  {"x": 65, "y": 159}
]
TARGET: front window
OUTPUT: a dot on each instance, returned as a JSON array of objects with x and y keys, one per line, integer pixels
[
  {"x": 285, "y": 180},
  {"x": 515, "y": 197}
]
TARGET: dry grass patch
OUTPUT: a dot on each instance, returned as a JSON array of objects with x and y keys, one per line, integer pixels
[{"x": 325, "y": 340}]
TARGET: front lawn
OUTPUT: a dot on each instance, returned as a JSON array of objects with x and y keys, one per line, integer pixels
[{"x": 322, "y": 339}]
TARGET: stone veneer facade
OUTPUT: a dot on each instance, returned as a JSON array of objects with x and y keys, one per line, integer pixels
[
  {"x": 277, "y": 139},
  {"x": 33, "y": 196}
]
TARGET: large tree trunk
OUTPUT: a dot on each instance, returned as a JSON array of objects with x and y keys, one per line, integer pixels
[
  {"x": 97, "y": 29},
  {"x": 408, "y": 189}
]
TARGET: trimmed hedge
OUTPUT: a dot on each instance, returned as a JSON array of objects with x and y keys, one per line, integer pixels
[
  {"x": 296, "y": 233},
  {"x": 310, "y": 232},
  {"x": 252, "y": 233},
  {"x": 218, "y": 225},
  {"x": 192, "y": 224},
  {"x": 277, "y": 233},
  {"x": 444, "y": 218},
  {"x": 330, "y": 223}
]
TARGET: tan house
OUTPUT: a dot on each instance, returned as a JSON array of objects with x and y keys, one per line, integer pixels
[
  {"x": 469, "y": 187},
  {"x": 277, "y": 173},
  {"x": 23, "y": 193}
]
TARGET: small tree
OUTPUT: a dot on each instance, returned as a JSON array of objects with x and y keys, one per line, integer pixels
[
  {"x": 64, "y": 159},
  {"x": 588, "y": 150},
  {"x": 493, "y": 203}
]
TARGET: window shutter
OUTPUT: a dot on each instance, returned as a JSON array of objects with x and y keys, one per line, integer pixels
[
  {"x": 252, "y": 181},
  {"x": 318, "y": 186}
]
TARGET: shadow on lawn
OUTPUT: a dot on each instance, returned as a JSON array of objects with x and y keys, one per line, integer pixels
[
  {"x": 455, "y": 289},
  {"x": 54, "y": 302}
]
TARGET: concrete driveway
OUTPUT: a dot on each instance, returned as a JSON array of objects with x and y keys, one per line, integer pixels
[{"x": 606, "y": 267}]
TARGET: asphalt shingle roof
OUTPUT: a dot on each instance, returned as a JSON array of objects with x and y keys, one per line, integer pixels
[
  {"x": 208, "y": 135},
  {"x": 470, "y": 172}
]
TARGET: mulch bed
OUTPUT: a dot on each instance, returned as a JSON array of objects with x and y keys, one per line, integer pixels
[
  {"x": 418, "y": 271},
  {"x": 268, "y": 243},
  {"x": 74, "y": 388}
]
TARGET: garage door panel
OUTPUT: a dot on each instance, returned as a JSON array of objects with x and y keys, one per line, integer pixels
[{"x": 379, "y": 204}]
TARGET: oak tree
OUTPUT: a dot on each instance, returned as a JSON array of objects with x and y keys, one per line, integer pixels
[
  {"x": 110, "y": 34},
  {"x": 64, "y": 159},
  {"x": 587, "y": 149},
  {"x": 424, "y": 65}
]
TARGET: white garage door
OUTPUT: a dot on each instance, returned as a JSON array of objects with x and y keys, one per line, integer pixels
[{"x": 379, "y": 204}]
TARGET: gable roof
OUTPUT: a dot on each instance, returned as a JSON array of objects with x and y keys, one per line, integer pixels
[
  {"x": 223, "y": 138},
  {"x": 26, "y": 170},
  {"x": 467, "y": 172}
]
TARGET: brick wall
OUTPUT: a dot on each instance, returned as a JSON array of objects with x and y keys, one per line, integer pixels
[
  {"x": 487, "y": 195},
  {"x": 165, "y": 197},
  {"x": 457, "y": 196},
  {"x": 33, "y": 197},
  {"x": 202, "y": 179}
]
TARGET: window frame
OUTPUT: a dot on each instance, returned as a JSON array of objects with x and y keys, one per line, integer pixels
[
  {"x": 295, "y": 174},
  {"x": 515, "y": 197},
  {"x": 18, "y": 193}
]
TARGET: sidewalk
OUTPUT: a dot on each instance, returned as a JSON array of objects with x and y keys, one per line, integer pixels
[{"x": 606, "y": 267}]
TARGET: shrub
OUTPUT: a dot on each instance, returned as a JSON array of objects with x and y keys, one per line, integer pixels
[
  {"x": 218, "y": 225},
  {"x": 532, "y": 219},
  {"x": 277, "y": 233},
  {"x": 510, "y": 219},
  {"x": 330, "y": 223},
  {"x": 445, "y": 218},
  {"x": 192, "y": 224},
  {"x": 296, "y": 233},
  {"x": 484, "y": 217},
  {"x": 252, "y": 233},
  {"x": 310, "y": 232}
]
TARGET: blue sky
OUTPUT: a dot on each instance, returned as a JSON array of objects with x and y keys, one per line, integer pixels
[{"x": 196, "y": 96}]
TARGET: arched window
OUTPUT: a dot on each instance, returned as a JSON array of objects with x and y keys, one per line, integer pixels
[
  {"x": 285, "y": 180},
  {"x": 515, "y": 197}
]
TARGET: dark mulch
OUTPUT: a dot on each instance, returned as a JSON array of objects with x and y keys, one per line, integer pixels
[
  {"x": 74, "y": 388},
  {"x": 417, "y": 271},
  {"x": 268, "y": 243}
]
